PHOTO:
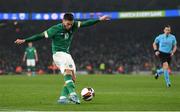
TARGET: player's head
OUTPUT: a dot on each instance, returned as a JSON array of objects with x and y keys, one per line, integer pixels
[
  {"x": 167, "y": 29},
  {"x": 68, "y": 20},
  {"x": 30, "y": 44}
]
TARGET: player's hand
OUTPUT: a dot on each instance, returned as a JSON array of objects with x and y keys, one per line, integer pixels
[
  {"x": 104, "y": 18},
  {"x": 19, "y": 41},
  {"x": 172, "y": 54},
  {"x": 157, "y": 53},
  {"x": 36, "y": 60}
]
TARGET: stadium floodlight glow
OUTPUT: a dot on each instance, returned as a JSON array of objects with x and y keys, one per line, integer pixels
[
  {"x": 22, "y": 16},
  {"x": 38, "y": 16},
  {"x": 14, "y": 16},
  {"x": 54, "y": 16},
  {"x": 46, "y": 16},
  {"x": 61, "y": 15},
  {"x": 6, "y": 16}
]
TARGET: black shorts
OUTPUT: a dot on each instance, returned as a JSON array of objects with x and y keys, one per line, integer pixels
[{"x": 165, "y": 57}]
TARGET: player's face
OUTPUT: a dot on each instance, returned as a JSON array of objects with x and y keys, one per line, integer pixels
[
  {"x": 68, "y": 24},
  {"x": 167, "y": 30},
  {"x": 30, "y": 44}
]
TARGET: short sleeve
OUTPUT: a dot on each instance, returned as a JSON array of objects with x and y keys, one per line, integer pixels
[
  {"x": 77, "y": 24},
  {"x": 157, "y": 40},
  {"x": 35, "y": 50},
  {"x": 174, "y": 41},
  {"x": 26, "y": 51}
]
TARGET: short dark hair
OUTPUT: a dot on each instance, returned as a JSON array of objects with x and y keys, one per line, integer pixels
[
  {"x": 167, "y": 26},
  {"x": 68, "y": 16}
]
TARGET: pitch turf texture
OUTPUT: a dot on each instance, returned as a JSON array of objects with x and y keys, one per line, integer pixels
[{"x": 113, "y": 92}]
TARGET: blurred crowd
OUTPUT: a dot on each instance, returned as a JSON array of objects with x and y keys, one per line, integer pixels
[
  {"x": 117, "y": 46},
  {"x": 120, "y": 46},
  {"x": 86, "y": 6}
]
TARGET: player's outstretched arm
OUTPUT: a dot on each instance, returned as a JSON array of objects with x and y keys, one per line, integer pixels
[
  {"x": 30, "y": 39},
  {"x": 92, "y": 22}
]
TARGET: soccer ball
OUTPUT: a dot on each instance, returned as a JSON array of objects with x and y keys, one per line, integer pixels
[{"x": 87, "y": 94}]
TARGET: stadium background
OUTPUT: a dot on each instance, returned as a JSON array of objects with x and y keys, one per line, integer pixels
[
  {"x": 125, "y": 41},
  {"x": 119, "y": 43}
]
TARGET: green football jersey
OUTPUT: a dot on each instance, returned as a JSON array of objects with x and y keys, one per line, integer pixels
[
  {"x": 30, "y": 52},
  {"x": 61, "y": 38}
]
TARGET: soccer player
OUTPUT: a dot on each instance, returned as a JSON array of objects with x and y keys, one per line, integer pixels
[
  {"x": 31, "y": 57},
  {"x": 61, "y": 36},
  {"x": 165, "y": 46}
]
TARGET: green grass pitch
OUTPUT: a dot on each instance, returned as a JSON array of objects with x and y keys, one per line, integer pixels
[{"x": 113, "y": 93}]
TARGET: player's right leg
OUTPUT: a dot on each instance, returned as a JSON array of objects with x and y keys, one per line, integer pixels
[
  {"x": 166, "y": 74},
  {"x": 165, "y": 60},
  {"x": 63, "y": 99},
  {"x": 28, "y": 64},
  {"x": 71, "y": 86},
  {"x": 66, "y": 64},
  {"x": 68, "y": 89},
  {"x": 33, "y": 67},
  {"x": 158, "y": 73}
]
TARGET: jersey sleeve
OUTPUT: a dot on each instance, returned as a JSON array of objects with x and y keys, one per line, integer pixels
[
  {"x": 49, "y": 33},
  {"x": 157, "y": 40},
  {"x": 35, "y": 50},
  {"x": 174, "y": 41},
  {"x": 76, "y": 25},
  {"x": 88, "y": 23},
  {"x": 79, "y": 24},
  {"x": 25, "y": 51},
  {"x": 35, "y": 37}
]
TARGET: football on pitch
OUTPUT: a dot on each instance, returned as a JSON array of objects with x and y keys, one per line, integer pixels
[{"x": 87, "y": 94}]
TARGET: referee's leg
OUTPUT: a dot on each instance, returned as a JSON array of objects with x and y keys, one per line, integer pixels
[{"x": 166, "y": 74}]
